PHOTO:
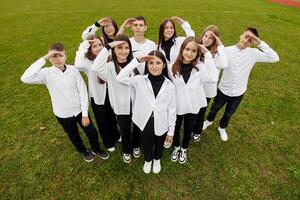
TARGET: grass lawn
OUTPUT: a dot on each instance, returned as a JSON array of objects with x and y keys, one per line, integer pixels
[{"x": 259, "y": 161}]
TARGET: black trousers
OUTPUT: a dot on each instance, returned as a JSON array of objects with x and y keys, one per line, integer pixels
[
  {"x": 153, "y": 145},
  {"x": 129, "y": 141},
  {"x": 220, "y": 100},
  {"x": 106, "y": 122},
  {"x": 70, "y": 127},
  {"x": 200, "y": 119},
  {"x": 189, "y": 120}
]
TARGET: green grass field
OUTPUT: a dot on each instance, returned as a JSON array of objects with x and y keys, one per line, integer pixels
[{"x": 260, "y": 160}]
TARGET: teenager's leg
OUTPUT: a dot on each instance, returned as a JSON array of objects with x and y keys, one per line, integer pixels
[
  {"x": 147, "y": 140},
  {"x": 219, "y": 101},
  {"x": 91, "y": 132},
  {"x": 113, "y": 124},
  {"x": 136, "y": 137},
  {"x": 159, "y": 146},
  {"x": 124, "y": 122},
  {"x": 70, "y": 127},
  {"x": 189, "y": 120},
  {"x": 230, "y": 109},
  {"x": 176, "y": 139}
]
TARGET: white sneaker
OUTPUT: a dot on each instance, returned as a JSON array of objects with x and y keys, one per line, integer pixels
[
  {"x": 182, "y": 156},
  {"x": 137, "y": 152},
  {"x": 111, "y": 149},
  {"x": 147, "y": 167},
  {"x": 156, "y": 166},
  {"x": 126, "y": 158},
  {"x": 196, "y": 137},
  {"x": 223, "y": 134},
  {"x": 206, "y": 124},
  {"x": 120, "y": 139},
  {"x": 175, "y": 154}
]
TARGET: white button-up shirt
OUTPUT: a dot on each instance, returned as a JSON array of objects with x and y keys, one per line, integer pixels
[
  {"x": 235, "y": 77},
  {"x": 96, "y": 90},
  {"x": 163, "y": 106},
  {"x": 67, "y": 89}
]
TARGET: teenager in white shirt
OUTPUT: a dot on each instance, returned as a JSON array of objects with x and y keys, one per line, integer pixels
[
  {"x": 234, "y": 80},
  {"x": 168, "y": 42},
  {"x": 140, "y": 45},
  {"x": 68, "y": 96},
  {"x": 155, "y": 106},
  {"x": 109, "y": 29},
  {"x": 188, "y": 76},
  {"x": 119, "y": 94},
  {"x": 104, "y": 115},
  {"x": 210, "y": 39}
]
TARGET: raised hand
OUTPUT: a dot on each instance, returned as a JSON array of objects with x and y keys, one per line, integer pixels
[
  {"x": 145, "y": 58},
  {"x": 93, "y": 40},
  {"x": 218, "y": 41},
  {"x": 116, "y": 43},
  {"x": 104, "y": 21},
  {"x": 201, "y": 47},
  {"x": 128, "y": 22},
  {"x": 255, "y": 40},
  {"x": 50, "y": 54},
  {"x": 177, "y": 20},
  {"x": 85, "y": 121}
]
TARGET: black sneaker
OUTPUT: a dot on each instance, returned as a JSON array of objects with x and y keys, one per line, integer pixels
[
  {"x": 101, "y": 154},
  {"x": 87, "y": 156}
]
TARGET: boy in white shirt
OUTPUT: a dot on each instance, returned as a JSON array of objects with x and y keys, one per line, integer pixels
[
  {"x": 68, "y": 96},
  {"x": 234, "y": 80}
]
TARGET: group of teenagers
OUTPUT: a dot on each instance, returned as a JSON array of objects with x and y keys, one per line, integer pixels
[{"x": 141, "y": 92}]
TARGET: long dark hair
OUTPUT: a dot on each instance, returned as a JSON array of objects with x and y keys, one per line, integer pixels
[
  {"x": 161, "y": 56},
  {"x": 105, "y": 37},
  {"x": 213, "y": 47},
  {"x": 176, "y": 68},
  {"x": 89, "y": 53},
  {"x": 122, "y": 37},
  {"x": 161, "y": 38}
]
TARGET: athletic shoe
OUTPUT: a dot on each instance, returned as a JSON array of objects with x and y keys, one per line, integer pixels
[
  {"x": 137, "y": 152},
  {"x": 156, "y": 166},
  {"x": 101, "y": 154},
  {"x": 120, "y": 139},
  {"x": 147, "y": 167},
  {"x": 126, "y": 158},
  {"x": 223, "y": 134},
  {"x": 196, "y": 137},
  {"x": 175, "y": 154},
  {"x": 87, "y": 156},
  {"x": 182, "y": 156},
  {"x": 111, "y": 149},
  {"x": 206, "y": 124}
]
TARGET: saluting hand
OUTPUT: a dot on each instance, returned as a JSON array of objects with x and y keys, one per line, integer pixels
[
  {"x": 128, "y": 22},
  {"x": 177, "y": 20},
  {"x": 115, "y": 43},
  {"x": 218, "y": 41},
  {"x": 50, "y": 54},
  {"x": 145, "y": 58},
  {"x": 85, "y": 121},
  {"x": 104, "y": 21},
  {"x": 255, "y": 40},
  {"x": 201, "y": 47}
]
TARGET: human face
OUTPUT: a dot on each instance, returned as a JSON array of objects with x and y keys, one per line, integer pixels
[
  {"x": 138, "y": 27},
  {"x": 168, "y": 30},
  {"x": 155, "y": 66},
  {"x": 189, "y": 53},
  {"x": 122, "y": 52},
  {"x": 245, "y": 39},
  {"x": 110, "y": 30},
  {"x": 58, "y": 59},
  {"x": 96, "y": 47},
  {"x": 207, "y": 39}
]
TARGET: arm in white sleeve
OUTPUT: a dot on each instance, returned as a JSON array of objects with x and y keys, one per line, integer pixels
[
  {"x": 34, "y": 74},
  {"x": 124, "y": 74},
  {"x": 267, "y": 54},
  {"x": 80, "y": 58},
  {"x": 172, "y": 112},
  {"x": 84, "y": 99},
  {"x": 91, "y": 30},
  {"x": 100, "y": 64},
  {"x": 211, "y": 74},
  {"x": 187, "y": 29},
  {"x": 221, "y": 59}
]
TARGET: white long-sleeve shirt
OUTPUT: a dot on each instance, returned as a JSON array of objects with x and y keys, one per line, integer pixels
[
  {"x": 174, "y": 51},
  {"x": 142, "y": 49},
  {"x": 90, "y": 30},
  {"x": 163, "y": 106},
  {"x": 67, "y": 89},
  {"x": 190, "y": 96},
  {"x": 235, "y": 77},
  {"x": 96, "y": 89},
  {"x": 119, "y": 94},
  {"x": 221, "y": 62}
]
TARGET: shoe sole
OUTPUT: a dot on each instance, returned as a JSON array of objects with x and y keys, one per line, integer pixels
[
  {"x": 88, "y": 160},
  {"x": 104, "y": 158},
  {"x": 182, "y": 162}
]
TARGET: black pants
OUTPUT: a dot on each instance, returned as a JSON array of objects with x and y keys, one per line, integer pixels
[
  {"x": 70, "y": 127},
  {"x": 153, "y": 145},
  {"x": 220, "y": 100},
  {"x": 200, "y": 119},
  {"x": 189, "y": 120},
  {"x": 107, "y": 122},
  {"x": 129, "y": 141}
]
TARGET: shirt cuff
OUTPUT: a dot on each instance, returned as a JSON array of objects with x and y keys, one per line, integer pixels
[{"x": 97, "y": 24}]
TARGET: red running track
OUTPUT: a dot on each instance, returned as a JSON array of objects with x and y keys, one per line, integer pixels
[{"x": 287, "y": 3}]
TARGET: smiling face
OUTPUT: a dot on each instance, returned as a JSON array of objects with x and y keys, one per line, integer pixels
[
  {"x": 155, "y": 66},
  {"x": 207, "y": 39},
  {"x": 189, "y": 53},
  {"x": 122, "y": 52},
  {"x": 96, "y": 47},
  {"x": 169, "y": 30},
  {"x": 58, "y": 59}
]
